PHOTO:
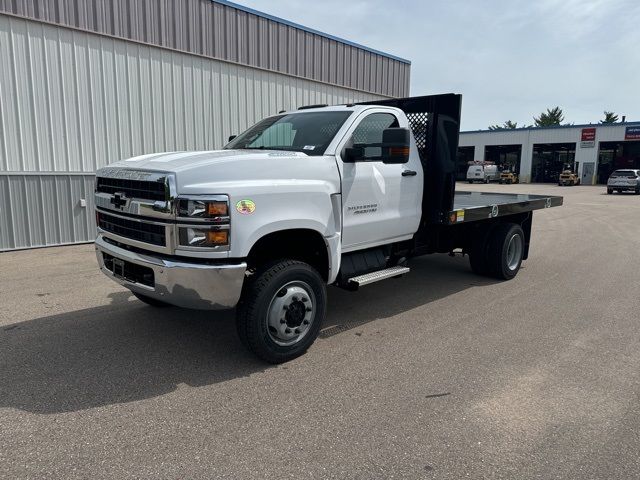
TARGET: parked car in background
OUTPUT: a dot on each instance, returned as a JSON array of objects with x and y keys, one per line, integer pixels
[
  {"x": 624, "y": 180},
  {"x": 482, "y": 172},
  {"x": 567, "y": 177},
  {"x": 508, "y": 177}
]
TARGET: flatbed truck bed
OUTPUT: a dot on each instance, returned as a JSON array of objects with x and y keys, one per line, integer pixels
[{"x": 475, "y": 206}]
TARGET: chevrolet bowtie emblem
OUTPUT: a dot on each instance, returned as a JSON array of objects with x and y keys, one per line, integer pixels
[{"x": 119, "y": 200}]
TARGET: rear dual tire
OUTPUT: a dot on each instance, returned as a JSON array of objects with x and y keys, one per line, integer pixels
[{"x": 499, "y": 252}]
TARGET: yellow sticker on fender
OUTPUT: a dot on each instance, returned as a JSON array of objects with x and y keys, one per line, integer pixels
[{"x": 246, "y": 207}]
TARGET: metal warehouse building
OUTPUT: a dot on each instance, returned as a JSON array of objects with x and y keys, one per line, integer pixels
[
  {"x": 540, "y": 154},
  {"x": 84, "y": 83}
]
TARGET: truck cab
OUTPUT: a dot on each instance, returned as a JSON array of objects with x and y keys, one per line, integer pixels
[{"x": 343, "y": 195}]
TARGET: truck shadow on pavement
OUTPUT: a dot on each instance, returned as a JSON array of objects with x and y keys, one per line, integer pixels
[{"x": 127, "y": 351}]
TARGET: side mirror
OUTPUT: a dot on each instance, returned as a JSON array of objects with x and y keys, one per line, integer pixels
[
  {"x": 395, "y": 145},
  {"x": 231, "y": 137},
  {"x": 353, "y": 154}
]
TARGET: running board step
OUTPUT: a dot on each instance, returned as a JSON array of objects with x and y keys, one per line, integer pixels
[{"x": 378, "y": 275}]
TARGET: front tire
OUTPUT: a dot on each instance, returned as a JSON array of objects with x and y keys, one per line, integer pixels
[
  {"x": 282, "y": 310},
  {"x": 609, "y": 191}
]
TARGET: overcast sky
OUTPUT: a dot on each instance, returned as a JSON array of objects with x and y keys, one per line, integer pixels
[{"x": 509, "y": 59}]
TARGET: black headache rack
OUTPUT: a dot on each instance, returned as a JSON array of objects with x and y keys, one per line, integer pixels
[{"x": 435, "y": 124}]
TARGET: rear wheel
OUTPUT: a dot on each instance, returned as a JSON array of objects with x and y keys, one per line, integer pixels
[
  {"x": 281, "y": 311},
  {"x": 505, "y": 250},
  {"x": 151, "y": 301}
]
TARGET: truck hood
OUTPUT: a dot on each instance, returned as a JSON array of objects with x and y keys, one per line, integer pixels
[
  {"x": 198, "y": 172},
  {"x": 182, "y": 161}
]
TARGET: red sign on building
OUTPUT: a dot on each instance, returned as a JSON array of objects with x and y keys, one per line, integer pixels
[{"x": 588, "y": 134}]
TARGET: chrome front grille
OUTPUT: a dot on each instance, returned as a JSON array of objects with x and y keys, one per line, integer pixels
[
  {"x": 134, "y": 229},
  {"x": 142, "y": 189},
  {"x": 139, "y": 209}
]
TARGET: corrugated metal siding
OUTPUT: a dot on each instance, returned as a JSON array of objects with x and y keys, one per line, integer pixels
[
  {"x": 221, "y": 31},
  {"x": 74, "y": 102},
  {"x": 71, "y": 102},
  {"x": 39, "y": 210}
]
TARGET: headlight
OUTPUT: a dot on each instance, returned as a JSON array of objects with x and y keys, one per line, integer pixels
[
  {"x": 206, "y": 208},
  {"x": 203, "y": 222},
  {"x": 205, "y": 236}
]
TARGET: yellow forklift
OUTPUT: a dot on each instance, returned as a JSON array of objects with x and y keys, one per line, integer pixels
[
  {"x": 508, "y": 177},
  {"x": 568, "y": 177}
]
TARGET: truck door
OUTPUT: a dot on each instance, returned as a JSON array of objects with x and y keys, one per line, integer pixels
[{"x": 381, "y": 202}]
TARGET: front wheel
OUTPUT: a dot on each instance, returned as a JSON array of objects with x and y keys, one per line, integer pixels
[
  {"x": 609, "y": 191},
  {"x": 281, "y": 311}
]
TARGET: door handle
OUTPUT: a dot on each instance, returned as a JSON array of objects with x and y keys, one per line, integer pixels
[{"x": 409, "y": 173}]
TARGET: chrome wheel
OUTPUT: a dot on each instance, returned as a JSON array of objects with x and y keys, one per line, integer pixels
[
  {"x": 291, "y": 313},
  {"x": 514, "y": 252}
]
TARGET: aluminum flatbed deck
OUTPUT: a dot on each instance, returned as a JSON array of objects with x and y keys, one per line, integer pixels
[{"x": 475, "y": 206}]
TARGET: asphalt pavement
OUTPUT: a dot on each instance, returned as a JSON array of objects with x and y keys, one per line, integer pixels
[{"x": 439, "y": 374}]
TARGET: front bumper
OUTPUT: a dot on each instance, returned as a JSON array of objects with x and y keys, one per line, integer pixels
[
  {"x": 180, "y": 283},
  {"x": 624, "y": 187}
]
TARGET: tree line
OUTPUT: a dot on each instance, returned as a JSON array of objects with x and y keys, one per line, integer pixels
[{"x": 553, "y": 116}]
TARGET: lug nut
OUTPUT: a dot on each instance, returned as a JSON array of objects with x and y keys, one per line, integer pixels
[
  {"x": 306, "y": 322},
  {"x": 297, "y": 330},
  {"x": 282, "y": 320},
  {"x": 304, "y": 299},
  {"x": 287, "y": 330}
]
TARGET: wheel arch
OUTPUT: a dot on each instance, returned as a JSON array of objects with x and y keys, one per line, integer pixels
[{"x": 303, "y": 244}]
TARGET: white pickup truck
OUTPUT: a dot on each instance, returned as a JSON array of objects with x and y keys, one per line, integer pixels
[{"x": 343, "y": 195}]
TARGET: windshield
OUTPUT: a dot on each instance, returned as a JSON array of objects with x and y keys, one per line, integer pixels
[
  {"x": 623, "y": 173},
  {"x": 308, "y": 132}
]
